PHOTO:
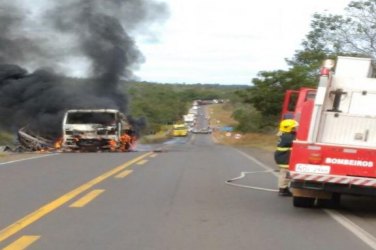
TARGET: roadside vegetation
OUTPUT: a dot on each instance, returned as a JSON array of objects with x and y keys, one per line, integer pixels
[
  {"x": 162, "y": 105},
  {"x": 6, "y": 138},
  {"x": 222, "y": 115},
  {"x": 162, "y": 135}
]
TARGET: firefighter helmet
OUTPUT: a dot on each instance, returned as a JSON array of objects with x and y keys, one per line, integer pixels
[{"x": 286, "y": 126}]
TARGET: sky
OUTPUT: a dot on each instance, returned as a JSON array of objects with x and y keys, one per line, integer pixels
[
  {"x": 226, "y": 42},
  {"x": 211, "y": 41}
]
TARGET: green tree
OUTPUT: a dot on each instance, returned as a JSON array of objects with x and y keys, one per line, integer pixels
[
  {"x": 351, "y": 34},
  {"x": 267, "y": 93}
]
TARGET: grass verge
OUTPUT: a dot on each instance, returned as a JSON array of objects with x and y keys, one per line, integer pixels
[
  {"x": 161, "y": 136},
  {"x": 220, "y": 116}
]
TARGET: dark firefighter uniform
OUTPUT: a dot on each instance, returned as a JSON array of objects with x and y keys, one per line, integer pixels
[{"x": 282, "y": 152}]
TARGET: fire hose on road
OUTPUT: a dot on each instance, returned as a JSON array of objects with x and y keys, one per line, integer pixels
[{"x": 243, "y": 174}]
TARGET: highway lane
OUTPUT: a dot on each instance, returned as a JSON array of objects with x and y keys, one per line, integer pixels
[
  {"x": 27, "y": 185},
  {"x": 176, "y": 199}
]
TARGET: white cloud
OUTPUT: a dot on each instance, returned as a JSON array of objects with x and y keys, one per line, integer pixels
[{"x": 228, "y": 42}]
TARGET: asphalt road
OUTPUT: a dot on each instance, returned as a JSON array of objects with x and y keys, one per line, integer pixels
[{"x": 171, "y": 199}]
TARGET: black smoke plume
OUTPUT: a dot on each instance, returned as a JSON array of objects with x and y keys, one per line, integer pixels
[{"x": 48, "y": 42}]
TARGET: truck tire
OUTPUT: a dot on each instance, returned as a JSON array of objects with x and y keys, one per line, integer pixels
[{"x": 303, "y": 201}]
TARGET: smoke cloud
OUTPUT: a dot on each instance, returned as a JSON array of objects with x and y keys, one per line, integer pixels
[{"x": 47, "y": 38}]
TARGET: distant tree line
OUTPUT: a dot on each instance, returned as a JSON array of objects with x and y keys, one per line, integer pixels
[
  {"x": 350, "y": 34},
  {"x": 164, "y": 104},
  {"x": 156, "y": 104}
]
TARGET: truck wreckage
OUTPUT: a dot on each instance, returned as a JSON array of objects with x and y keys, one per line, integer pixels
[
  {"x": 85, "y": 130},
  {"x": 31, "y": 142}
]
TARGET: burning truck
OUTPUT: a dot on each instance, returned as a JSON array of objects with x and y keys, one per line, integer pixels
[
  {"x": 85, "y": 130},
  {"x": 95, "y": 130}
]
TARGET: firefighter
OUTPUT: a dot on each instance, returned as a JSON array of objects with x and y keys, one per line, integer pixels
[
  {"x": 287, "y": 132},
  {"x": 125, "y": 140}
]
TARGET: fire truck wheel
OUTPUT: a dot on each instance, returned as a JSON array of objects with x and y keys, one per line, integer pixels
[{"x": 303, "y": 201}]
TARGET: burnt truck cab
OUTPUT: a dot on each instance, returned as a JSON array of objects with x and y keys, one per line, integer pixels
[{"x": 93, "y": 129}]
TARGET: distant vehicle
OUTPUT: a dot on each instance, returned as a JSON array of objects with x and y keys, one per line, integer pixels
[
  {"x": 202, "y": 131},
  {"x": 96, "y": 129},
  {"x": 189, "y": 119},
  {"x": 179, "y": 130}
]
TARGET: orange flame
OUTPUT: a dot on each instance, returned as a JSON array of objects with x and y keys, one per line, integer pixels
[
  {"x": 113, "y": 145},
  {"x": 126, "y": 142},
  {"x": 58, "y": 143}
]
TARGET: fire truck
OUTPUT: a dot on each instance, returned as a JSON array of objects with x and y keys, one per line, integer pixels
[{"x": 335, "y": 148}]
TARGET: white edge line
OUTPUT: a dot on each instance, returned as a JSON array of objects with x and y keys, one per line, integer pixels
[
  {"x": 359, "y": 232},
  {"x": 257, "y": 162},
  {"x": 31, "y": 158},
  {"x": 362, "y": 234}
]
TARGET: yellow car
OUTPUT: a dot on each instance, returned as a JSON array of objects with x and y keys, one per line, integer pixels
[{"x": 179, "y": 130}]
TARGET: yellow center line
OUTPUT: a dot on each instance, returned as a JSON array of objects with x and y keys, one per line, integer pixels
[
  {"x": 124, "y": 174},
  {"x": 46, "y": 209},
  {"x": 87, "y": 198},
  {"x": 22, "y": 243},
  {"x": 142, "y": 162},
  {"x": 153, "y": 155}
]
